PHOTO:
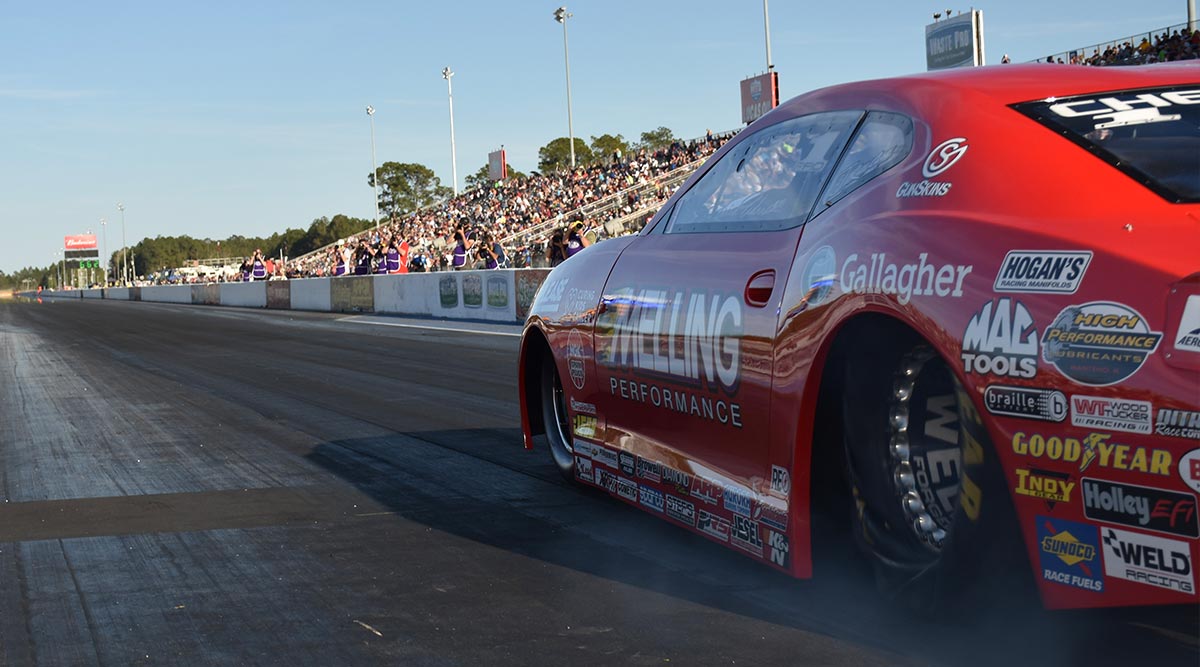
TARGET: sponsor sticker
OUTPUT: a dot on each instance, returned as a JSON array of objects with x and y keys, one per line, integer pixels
[
  {"x": 1153, "y": 509},
  {"x": 1111, "y": 414},
  {"x": 1178, "y": 423},
  {"x": 1028, "y": 402},
  {"x": 706, "y": 491},
  {"x": 745, "y": 535},
  {"x": 1068, "y": 553},
  {"x": 651, "y": 470},
  {"x": 770, "y": 516},
  {"x": 585, "y": 408},
  {"x": 778, "y": 543},
  {"x": 1146, "y": 559},
  {"x": 1189, "y": 469},
  {"x": 714, "y": 525},
  {"x": 820, "y": 277},
  {"x": 627, "y": 489},
  {"x": 1001, "y": 340},
  {"x": 1095, "y": 448},
  {"x": 1098, "y": 343},
  {"x": 681, "y": 510},
  {"x": 584, "y": 426},
  {"x": 583, "y": 469},
  {"x": 1188, "y": 338},
  {"x": 597, "y": 453},
  {"x": 880, "y": 274},
  {"x": 943, "y": 156},
  {"x": 1042, "y": 271},
  {"x": 737, "y": 502},
  {"x": 678, "y": 479},
  {"x": 578, "y": 353},
  {"x": 1053, "y": 487},
  {"x": 607, "y": 480},
  {"x": 781, "y": 481},
  {"x": 652, "y": 498},
  {"x": 628, "y": 463}
]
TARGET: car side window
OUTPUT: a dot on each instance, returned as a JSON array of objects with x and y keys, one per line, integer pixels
[
  {"x": 881, "y": 142},
  {"x": 769, "y": 181}
]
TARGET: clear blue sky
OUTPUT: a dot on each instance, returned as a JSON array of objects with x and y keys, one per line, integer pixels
[{"x": 220, "y": 118}]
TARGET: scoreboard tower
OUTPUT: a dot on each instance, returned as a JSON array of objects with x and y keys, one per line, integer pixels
[{"x": 81, "y": 257}]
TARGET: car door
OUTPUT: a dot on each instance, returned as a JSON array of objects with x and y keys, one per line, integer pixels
[{"x": 689, "y": 313}]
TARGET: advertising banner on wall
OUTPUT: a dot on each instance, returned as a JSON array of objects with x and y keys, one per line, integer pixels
[
  {"x": 760, "y": 94},
  {"x": 497, "y": 165},
  {"x": 79, "y": 242}
]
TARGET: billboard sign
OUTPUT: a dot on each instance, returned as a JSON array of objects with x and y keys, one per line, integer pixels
[
  {"x": 497, "y": 165},
  {"x": 760, "y": 94},
  {"x": 955, "y": 42},
  {"x": 79, "y": 242}
]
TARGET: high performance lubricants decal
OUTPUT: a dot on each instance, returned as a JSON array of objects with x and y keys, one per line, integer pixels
[{"x": 1099, "y": 343}]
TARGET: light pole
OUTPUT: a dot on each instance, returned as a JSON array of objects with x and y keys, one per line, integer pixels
[
  {"x": 561, "y": 16},
  {"x": 767, "y": 31},
  {"x": 374, "y": 169},
  {"x": 124, "y": 248},
  {"x": 104, "y": 249},
  {"x": 446, "y": 74}
]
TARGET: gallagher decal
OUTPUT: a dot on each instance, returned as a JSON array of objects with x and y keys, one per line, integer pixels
[
  {"x": 1145, "y": 559},
  {"x": 880, "y": 275},
  {"x": 1042, "y": 271},
  {"x": 1098, "y": 343},
  {"x": 1029, "y": 402},
  {"x": 1000, "y": 340},
  {"x": 1068, "y": 553}
]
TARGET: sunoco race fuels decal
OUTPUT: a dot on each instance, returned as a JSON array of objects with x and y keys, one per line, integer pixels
[
  {"x": 1000, "y": 340},
  {"x": 1098, "y": 343},
  {"x": 1146, "y": 559},
  {"x": 1068, "y": 552},
  {"x": 1042, "y": 271},
  {"x": 1143, "y": 507},
  {"x": 1029, "y": 402}
]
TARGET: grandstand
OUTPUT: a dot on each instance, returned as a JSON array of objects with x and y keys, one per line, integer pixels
[{"x": 1171, "y": 43}]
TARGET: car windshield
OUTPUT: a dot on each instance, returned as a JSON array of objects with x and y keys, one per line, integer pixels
[{"x": 1153, "y": 135}]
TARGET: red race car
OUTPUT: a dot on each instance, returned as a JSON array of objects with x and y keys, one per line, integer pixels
[{"x": 960, "y": 306}]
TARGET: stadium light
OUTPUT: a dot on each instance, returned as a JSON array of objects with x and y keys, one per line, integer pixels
[
  {"x": 374, "y": 169},
  {"x": 446, "y": 74},
  {"x": 561, "y": 15},
  {"x": 767, "y": 31},
  {"x": 104, "y": 232},
  {"x": 124, "y": 248}
]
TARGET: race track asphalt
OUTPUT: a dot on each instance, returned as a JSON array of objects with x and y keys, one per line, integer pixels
[{"x": 197, "y": 485}]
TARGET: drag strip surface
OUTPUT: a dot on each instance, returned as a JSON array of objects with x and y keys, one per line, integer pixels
[{"x": 194, "y": 485}]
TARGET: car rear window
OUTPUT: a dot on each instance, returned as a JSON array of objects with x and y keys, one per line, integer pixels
[{"x": 1151, "y": 134}]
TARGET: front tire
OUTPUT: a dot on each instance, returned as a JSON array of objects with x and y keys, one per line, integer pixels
[{"x": 555, "y": 417}]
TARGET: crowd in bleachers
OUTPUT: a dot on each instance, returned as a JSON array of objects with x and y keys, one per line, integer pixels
[
  {"x": 1167, "y": 46},
  {"x": 464, "y": 231}
]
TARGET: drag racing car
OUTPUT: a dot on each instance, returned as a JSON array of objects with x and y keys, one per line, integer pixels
[{"x": 960, "y": 309}]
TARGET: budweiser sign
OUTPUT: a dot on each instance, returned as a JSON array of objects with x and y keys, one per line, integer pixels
[{"x": 80, "y": 242}]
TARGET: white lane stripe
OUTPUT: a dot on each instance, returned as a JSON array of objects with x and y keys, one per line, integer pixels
[{"x": 431, "y": 328}]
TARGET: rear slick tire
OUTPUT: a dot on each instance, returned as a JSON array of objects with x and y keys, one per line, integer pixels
[{"x": 930, "y": 504}]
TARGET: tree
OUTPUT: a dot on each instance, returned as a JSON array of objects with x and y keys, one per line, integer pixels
[
  {"x": 605, "y": 145},
  {"x": 406, "y": 187},
  {"x": 656, "y": 139},
  {"x": 557, "y": 154}
]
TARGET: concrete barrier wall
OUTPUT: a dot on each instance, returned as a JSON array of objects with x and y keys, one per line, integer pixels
[
  {"x": 310, "y": 294},
  {"x": 496, "y": 296},
  {"x": 167, "y": 293},
  {"x": 244, "y": 295}
]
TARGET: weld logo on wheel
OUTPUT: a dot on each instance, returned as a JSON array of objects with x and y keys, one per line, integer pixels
[{"x": 1099, "y": 343}]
